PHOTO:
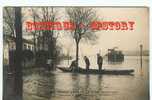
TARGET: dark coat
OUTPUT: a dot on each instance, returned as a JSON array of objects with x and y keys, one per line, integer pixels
[
  {"x": 73, "y": 64},
  {"x": 87, "y": 61},
  {"x": 99, "y": 60}
]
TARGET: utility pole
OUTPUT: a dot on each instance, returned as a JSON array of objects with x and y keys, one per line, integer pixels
[{"x": 18, "y": 54}]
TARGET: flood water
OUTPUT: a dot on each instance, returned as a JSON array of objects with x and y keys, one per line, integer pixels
[{"x": 67, "y": 86}]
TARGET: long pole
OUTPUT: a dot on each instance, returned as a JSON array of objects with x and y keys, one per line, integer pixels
[
  {"x": 141, "y": 47},
  {"x": 141, "y": 50}
]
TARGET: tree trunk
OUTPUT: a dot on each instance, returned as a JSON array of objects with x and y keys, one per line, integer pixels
[
  {"x": 77, "y": 54},
  {"x": 18, "y": 63},
  {"x": 34, "y": 43}
]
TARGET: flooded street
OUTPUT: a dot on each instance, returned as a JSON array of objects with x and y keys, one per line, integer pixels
[
  {"x": 47, "y": 52},
  {"x": 58, "y": 85}
]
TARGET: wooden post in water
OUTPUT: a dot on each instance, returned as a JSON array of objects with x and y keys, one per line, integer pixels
[
  {"x": 141, "y": 50},
  {"x": 68, "y": 57}
]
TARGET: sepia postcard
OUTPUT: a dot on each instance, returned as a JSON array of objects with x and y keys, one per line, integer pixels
[{"x": 75, "y": 53}]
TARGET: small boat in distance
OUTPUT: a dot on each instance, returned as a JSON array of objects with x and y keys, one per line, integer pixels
[{"x": 96, "y": 71}]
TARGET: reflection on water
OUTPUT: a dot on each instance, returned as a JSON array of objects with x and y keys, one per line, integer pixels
[
  {"x": 39, "y": 86},
  {"x": 67, "y": 86}
]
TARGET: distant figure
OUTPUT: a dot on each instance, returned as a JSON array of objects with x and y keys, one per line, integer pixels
[
  {"x": 87, "y": 62},
  {"x": 49, "y": 63},
  {"x": 99, "y": 61},
  {"x": 73, "y": 65}
]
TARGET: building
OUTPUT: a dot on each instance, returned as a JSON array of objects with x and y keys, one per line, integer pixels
[
  {"x": 115, "y": 55},
  {"x": 9, "y": 44}
]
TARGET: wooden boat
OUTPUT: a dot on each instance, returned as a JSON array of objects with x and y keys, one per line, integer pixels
[{"x": 95, "y": 71}]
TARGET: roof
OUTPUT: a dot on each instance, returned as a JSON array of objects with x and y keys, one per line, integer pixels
[{"x": 11, "y": 38}]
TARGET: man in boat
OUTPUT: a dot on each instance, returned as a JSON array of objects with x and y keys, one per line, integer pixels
[
  {"x": 87, "y": 62},
  {"x": 73, "y": 65},
  {"x": 99, "y": 61}
]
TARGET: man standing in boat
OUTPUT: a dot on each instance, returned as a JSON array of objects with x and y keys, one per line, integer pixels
[
  {"x": 99, "y": 61},
  {"x": 87, "y": 62}
]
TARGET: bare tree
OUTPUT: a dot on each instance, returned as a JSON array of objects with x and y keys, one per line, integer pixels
[
  {"x": 47, "y": 14},
  {"x": 8, "y": 26},
  {"x": 50, "y": 36},
  {"x": 46, "y": 39},
  {"x": 35, "y": 33},
  {"x": 12, "y": 27},
  {"x": 81, "y": 18}
]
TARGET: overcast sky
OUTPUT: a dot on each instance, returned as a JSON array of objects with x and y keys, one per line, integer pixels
[{"x": 124, "y": 40}]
